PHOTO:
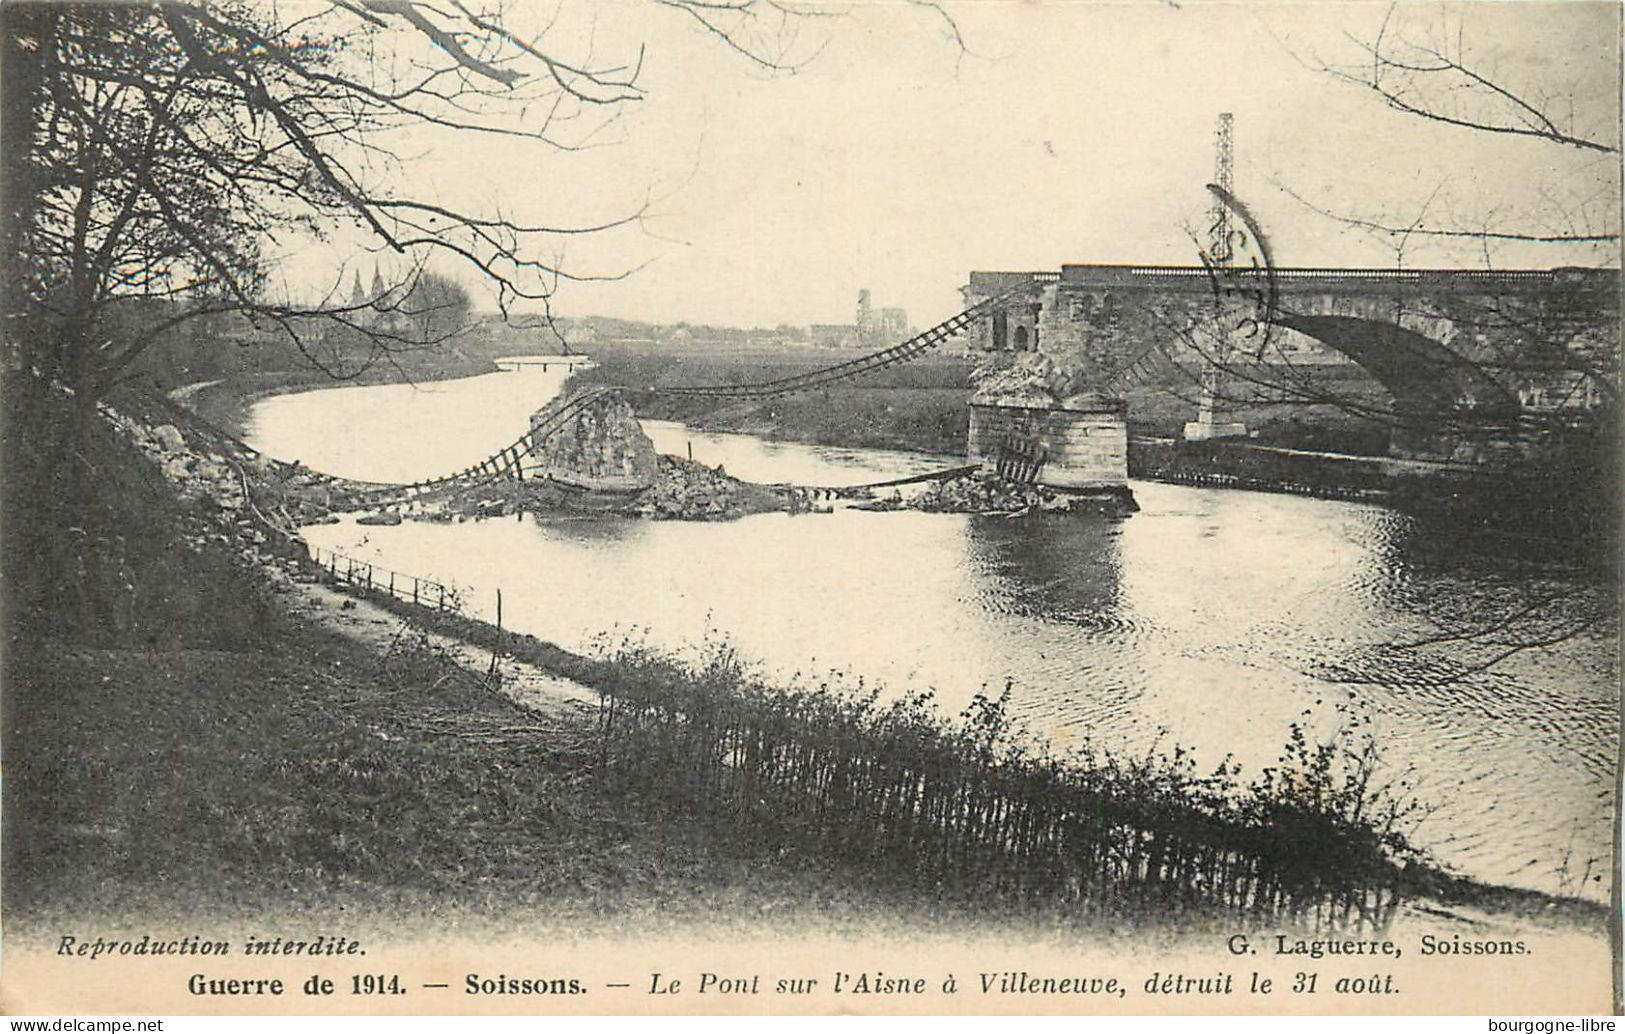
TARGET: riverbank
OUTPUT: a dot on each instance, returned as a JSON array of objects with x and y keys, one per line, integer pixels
[
  {"x": 376, "y": 779},
  {"x": 378, "y": 773},
  {"x": 368, "y": 782},
  {"x": 199, "y": 732},
  {"x": 921, "y": 406},
  {"x": 1430, "y": 896}
]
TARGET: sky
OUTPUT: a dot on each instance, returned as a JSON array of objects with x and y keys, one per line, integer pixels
[{"x": 891, "y": 159}]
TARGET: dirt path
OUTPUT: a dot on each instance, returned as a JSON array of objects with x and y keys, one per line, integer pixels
[
  {"x": 367, "y": 623},
  {"x": 185, "y": 392}
]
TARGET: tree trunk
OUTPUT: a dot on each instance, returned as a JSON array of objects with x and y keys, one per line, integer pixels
[{"x": 27, "y": 36}]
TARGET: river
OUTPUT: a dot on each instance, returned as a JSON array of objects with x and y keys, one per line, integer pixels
[{"x": 1212, "y": 619}]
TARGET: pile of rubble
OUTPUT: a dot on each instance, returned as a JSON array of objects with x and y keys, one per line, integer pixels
[
  {"x": 689, "y": 491},
  {"x": 981, "y": 493},
  {"x": 492, "y": 499},
  {"x": 988, "y": 493},
  {"x": 196, "y": 474},
  {"x": 682, "y": 490},
  {"x": 1034, "y": 379},
  {"x": 214, "y": 480},
  {"x": 205, "y": 465}
]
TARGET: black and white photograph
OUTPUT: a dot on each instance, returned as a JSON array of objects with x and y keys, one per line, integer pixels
[{"x": 879, "y": 507}]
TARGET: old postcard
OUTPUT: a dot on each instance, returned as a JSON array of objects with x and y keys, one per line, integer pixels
[{"x": 662, "y": 506}]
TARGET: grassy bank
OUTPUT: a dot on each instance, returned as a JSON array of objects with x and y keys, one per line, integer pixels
[
  {"x": 919, "y": 406},
  {"x": 189, "y": 743},
  {"x": 970, "y": 815},
  {"x": 923, "y": 405},
  {"x": 182, "y": 742},
  {"x": 975, "y": 805},
  {"x": 317, "y": 777}
]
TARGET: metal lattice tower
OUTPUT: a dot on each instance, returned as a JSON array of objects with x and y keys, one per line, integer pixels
[
  {"x": 1210, "y": 419},
  {"x": 1219, "y": 228}
]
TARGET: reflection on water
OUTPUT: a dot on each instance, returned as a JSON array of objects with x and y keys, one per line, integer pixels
[{"x": 1211, "y": 619}]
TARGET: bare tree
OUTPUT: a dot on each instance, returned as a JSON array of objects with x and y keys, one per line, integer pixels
[
  {"x": 160, "y": 159},
  {"x": 157, "y": 156},
  {"x": 1427, "y": 65},
  {"x": 1432, "y": 73}
]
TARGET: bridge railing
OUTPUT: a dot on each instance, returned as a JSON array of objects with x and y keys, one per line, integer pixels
[{"x": 1409, "y": 276}]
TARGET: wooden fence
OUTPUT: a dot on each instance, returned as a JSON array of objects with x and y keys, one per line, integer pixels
[
  {"x": 408, "y": 588},
  {"x": 895, "y": 790}
]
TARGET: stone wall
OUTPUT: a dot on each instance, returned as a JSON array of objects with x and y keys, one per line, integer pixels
[{"x": 1085, "y": 442}]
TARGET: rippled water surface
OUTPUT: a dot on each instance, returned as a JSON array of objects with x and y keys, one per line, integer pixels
[{"x": 1211, "y": 619}]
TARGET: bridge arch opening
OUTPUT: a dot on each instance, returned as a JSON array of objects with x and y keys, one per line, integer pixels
[{"x": 1423, "y": 375}]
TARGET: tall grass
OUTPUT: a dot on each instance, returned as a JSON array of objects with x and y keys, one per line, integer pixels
[{"x": 973, "y": 807}]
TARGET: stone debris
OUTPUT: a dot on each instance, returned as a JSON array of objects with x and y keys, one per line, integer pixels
[
  {"x": 169, "y": 438},
  {"x": 1034, "y": 379},
  {"x": 680, "y": 490},
  {"x": 980, "y": 493},
  {"x": 213, "y": 478},
  {"x": 601, "y": 461},
  {"x": 687, "y": 490},
  {"x": 989, "y": 494},
  {"x": 215, "y": 472}
]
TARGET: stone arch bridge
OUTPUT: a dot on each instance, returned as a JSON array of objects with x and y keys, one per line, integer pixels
[{"x": 1481, "y": 364}]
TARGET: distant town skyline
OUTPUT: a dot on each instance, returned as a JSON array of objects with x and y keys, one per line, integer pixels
[{"x": 1065, "y": 133}]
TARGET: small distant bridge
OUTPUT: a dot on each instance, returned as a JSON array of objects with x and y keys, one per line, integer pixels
[{"x": 510, "y": 363}]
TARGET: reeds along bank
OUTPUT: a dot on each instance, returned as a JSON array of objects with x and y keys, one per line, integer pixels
[{"x": 969, "y": 809}]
